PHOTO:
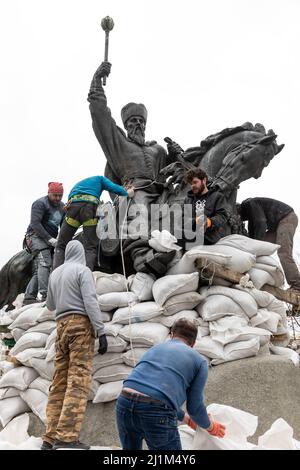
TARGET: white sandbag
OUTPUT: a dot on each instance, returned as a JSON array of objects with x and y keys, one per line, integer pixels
[
  {"x": 279, "y": 307},
  {"x": 46, "y": 315},
  {"x": 239, "y": 426},
  {"x": 261, "y": 297},
  {"x": 287, "y": 352},
  {"x": 260, "y": 278},
  {"x": 167, "y": 286},
  {"x": 116, "y": 344},
  {"x": 18, "y": 302},
  {"x": 231, "y": 329},
  {"x": 51, "y": 339},
  {"x": 209, "y": 348},
  {"x": 32, "y": 443},
  {"x": 107, "y": 359},
  {"x": 186, "y": 264},
  {"x": 145, "y": 333},
  {"x": 5, "y": 319},
  {"x": 29, "y": 340},
  {"x": 43, "y": 327},
  {"x": 93, "y": 390},
  {"x": 278, "y": 437},
  {"x": 41, "y": 384},
  {"x": 141, "y": 286},
  {"x": 106, "y": 317},
  {"x": 140, "y": 312},
  {"x": 43, "y": 368},
  {"x": 132, "y": 356},
  {"x": 106, "y": 283},
  {"x": 8, "y": 392},
  {"x": 239, "y": 350},
  {"x": 112, "y": 329},
  {"x": 37, "y": 402},
  {"x": 51, "y": 352},
  {"x": 108, "y": 392},
  {"x": 16, "y": 431},
  {"x": 5, "y": 366},
  {"x": 17, "y": 333},
  {"x": 203, "y": 328},
  {"x": 27, "y": 354},
  {"x": 113, "y": 300},
  {"x": 250, "y": 245},
  {"x": 266, "y": 319},
  {"x": 186, "y": 434},
  {"x": 112, "y": 373},
  {"x": 11, "y": 407},
  {"x": 218, "y": 306},
  {"x": 163, "y": 241},
  {"x": 16, "y": 313},
  {"x": 169, "y": 320},
  {"x": 177, "y": 303},
  {"x": 19, "y": 377},
  {"x": 26, "y": 319},
  {"x": 241, "y": 297},
  {"x": 234, "y": 259},
  {"x": 275, "y": 272},
  {"x": 270, "y": 260}
]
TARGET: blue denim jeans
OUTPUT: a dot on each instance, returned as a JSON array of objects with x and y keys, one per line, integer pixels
[
  {"x": 155, "y": 423},
  {"x": 41, "y": 266}
]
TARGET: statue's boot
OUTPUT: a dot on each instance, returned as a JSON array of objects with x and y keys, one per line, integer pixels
[{"x": 149, "y": 261}]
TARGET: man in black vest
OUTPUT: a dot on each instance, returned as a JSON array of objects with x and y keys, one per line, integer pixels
[{"x": 275, "y": 222}]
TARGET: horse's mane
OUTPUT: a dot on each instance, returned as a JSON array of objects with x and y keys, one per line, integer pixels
[{"x": 194, "y": 153}]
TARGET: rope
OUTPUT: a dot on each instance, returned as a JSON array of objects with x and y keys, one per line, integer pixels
[
  {"x": 206, "y": 266},
  {"x": 130, "y": 304}
]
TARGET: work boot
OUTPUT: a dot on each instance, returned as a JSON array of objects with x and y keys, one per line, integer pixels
[
  {"x": 46, "y": 446},
  {"x": 74, "y": 445},
  {"x": 158, "y": 265}
]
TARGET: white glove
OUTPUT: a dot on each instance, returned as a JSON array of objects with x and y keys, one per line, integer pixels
[{"x": 52, "y": 242}]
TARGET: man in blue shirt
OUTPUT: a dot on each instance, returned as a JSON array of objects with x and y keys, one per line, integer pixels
[
  {"x": 40, "y": 239},
  {"x": 150, "y": 403},
  {"x": 82, "y": 206}
]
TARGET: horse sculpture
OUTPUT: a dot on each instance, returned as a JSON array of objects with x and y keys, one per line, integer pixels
[{"x": 228, "y": 157}]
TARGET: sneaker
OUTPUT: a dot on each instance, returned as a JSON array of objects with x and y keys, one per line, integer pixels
[
  {"x": 74, "y": 445},
  {"x": 46, "y": 446}
]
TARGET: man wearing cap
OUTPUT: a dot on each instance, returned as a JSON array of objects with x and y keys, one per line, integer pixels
[
  {"x": 40, "y": 239},
  {"x": 130, "y": 159}
]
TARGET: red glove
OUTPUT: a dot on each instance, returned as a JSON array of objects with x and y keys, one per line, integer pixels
[
  {"x": 191, "y": 423},
  {"x": 217, "y": 429},
  {"x": 187, "y": 420}
]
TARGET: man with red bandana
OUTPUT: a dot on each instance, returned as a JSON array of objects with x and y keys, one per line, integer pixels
[{"x": 40, "y": 239}]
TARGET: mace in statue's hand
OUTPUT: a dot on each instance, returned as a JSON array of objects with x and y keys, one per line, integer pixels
[{"x": 103, "y": 70}]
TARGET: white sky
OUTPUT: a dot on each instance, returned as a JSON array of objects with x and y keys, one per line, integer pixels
[{"x": 199, "y": 66}]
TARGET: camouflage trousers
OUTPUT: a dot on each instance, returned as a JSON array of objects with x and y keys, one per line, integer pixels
[{"x": 72, "y": 377}]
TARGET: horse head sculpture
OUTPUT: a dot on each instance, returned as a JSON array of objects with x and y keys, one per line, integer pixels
[{"x": 228, "y": 157}]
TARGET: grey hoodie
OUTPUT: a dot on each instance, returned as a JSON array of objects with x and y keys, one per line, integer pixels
[{"x": 72, "y": 288}]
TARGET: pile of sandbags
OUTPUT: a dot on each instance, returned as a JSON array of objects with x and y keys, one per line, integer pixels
[
  {"x": 233, "y": 322},
  {"x": 240, "y": 425}
]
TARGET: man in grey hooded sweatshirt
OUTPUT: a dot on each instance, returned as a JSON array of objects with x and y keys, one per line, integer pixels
[{"x": 72, "y": 294}]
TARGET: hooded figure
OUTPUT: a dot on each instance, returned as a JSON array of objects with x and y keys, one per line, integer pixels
[{"x": 72, "y": 294}]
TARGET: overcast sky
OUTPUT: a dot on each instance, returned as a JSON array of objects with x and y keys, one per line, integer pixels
[{"x": 199, "y": 66}]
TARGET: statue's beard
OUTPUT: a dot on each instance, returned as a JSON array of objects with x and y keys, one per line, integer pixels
[{"x": 136, "y": 134}]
